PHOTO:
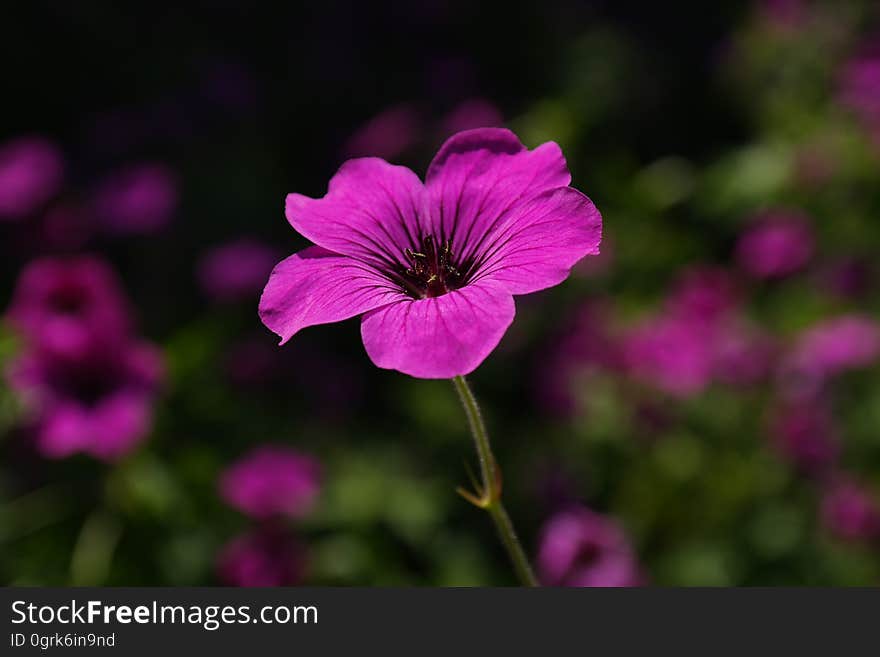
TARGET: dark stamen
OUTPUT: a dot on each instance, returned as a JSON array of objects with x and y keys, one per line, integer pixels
[{"x": 431, "y": 271}]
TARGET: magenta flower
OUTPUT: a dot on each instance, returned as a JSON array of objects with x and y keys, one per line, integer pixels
[
  {"x": 702, "y": 294},
  {"x": 860, "y": 85},
  {"x": 850, "y": 512},
  {"x": 237, "y": 270},
  {"x": 267, "y": 556},
  {"x": 272, "y": 481},
  {"x": 700, "y": 337},
  {"x": 141, "y": 199},
  {"x": 843, "y": 343},
  {"x": 829, "y": 348},
  {"x": 387, "y": 135},
  {"x": 779, "y": 243},
  {"x": 581, "y": 548},
  {"x": 804, "y": 434},
  {"x": 66, "y": 307},
  {"x": 682, "y": 356},
  {"x": 742, "y": 353},
  {"x": 101, "y": 404},
  {"x": 433, "y": 267},
  {"x": 31, "y": 171},
  {"x": 87, "y": 384},
  {"x": 673, "y": 354}
]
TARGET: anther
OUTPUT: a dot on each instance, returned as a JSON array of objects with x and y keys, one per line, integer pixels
[{"x": 431, "y": 270}]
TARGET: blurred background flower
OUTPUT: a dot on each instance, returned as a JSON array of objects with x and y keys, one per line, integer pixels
[
  {"x": 265, "y": 557},
  {"x": 31, "y": 170},
  {"x": 69, "y": 308},
  {"x": 581, "y": 548},
  {"x": 138, "y": 199},
  {"x": 777, "y": 244},
  {"x": 271, "y": 481},
  {"x": 851, "y": 512},
  {"x": 88, "y": 385}
]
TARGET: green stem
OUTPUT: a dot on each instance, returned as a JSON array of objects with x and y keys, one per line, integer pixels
[{"x": 489, "y": 497}]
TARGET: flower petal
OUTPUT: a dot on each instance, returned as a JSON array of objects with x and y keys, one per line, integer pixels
[
  {"x": 317, "y": 286},
  {"x": 371, "y": 211},
  {"x": 65, "y": 430},
  {"x": 541, "y": 241},
  {"x": 439, "y": 337},
  {"x": 108, "y": 431},
  {"x": 478, "y": 176},
  {"x": 120, "y": 422}
]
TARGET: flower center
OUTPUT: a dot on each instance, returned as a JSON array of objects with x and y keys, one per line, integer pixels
[
  {"x": 68, "y": 300},
  {"x": 87, "y": 385},
  {"x": 431, "y": 271},
  {"x": 587, "y": 555}
]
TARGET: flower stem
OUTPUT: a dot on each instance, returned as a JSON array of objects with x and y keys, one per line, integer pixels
[{"x": 488, "y": 495}]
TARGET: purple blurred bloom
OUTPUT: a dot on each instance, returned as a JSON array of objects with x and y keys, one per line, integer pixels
[
  {"x": 842, "y": 343},
  {"x": 673, "y": 350},
  {"x": 272, "y": 481},
  {"x": 87, "y": 384},
  {"x": 700, "y": 337},
  {"x": 433, "y": 267},
  {"x": 702, "y": 294},
  {"x": 804, "y": 434},
  {"x": 829, "y": 348},
  {"x": 266, "y": 556},
  {"x": 65, "y": 307},
  {"x": 672, "y": 353},
  {"x": 140, "y": 199},
  {"x": 850, "y": 512},
  {"x": 236, "y": 271},
  {"x": 387, "y": 135},
  {"x": 860, "y": 86},
  {"x": 581, "y": 548},
  {"x": 743, "y": 354},
  {"x": 778, "y": 243},
  {"x": 100, "y": 404},
  {"x": 31, "y": 172},
  {"x": 470, "y": 114}
]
